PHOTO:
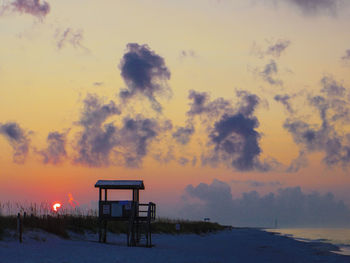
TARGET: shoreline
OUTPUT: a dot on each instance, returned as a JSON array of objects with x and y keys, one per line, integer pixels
[{"x": 339, "y": 247}]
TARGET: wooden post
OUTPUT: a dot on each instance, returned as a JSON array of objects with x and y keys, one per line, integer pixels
[
  {"x": 19, "y": 227},
  {"x": 100, "y": 234},
  {"x": 104, "y": 231}
]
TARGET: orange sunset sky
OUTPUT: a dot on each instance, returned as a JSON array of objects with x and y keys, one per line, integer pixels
[{"x": 254, "y": 94}]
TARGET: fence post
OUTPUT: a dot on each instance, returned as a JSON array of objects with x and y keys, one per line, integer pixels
[{"x": 19, "y": 227}]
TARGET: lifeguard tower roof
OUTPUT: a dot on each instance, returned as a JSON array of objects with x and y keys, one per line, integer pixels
[{"x": 120, "y": 184}]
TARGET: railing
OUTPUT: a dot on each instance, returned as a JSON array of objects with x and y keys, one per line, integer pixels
[{"x": 147, "y": 211}]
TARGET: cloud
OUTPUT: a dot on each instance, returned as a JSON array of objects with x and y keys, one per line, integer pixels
[
  {"x": 316, "y": 6},
  {"x": 135, "y": 137},
  {"x": 269, "y": 72},
  {"x": 298, "y": 163},
  {"x": 35, "y": 8},
  {"x": 201, "y": 104},
  {"x": 285, "y": 100},
  {"x": 98, "y": 83},
  {"x": 188, "y": 54},
  {"x": 329, "y": 135},
  {"x": 165, "y": 156},
  {"x": 247, "y": 102},
  {"x": 232, "y": 135},
  {"x": 70, "y": 36},
  {"x": 346, "y": 57},
  {"x": 235, "y": 139},
  {"x": 95, "y": 143},
  {"x": 183, "y": 161},
  {"x": 102, "y": 143},
  {"x": 183, "y": 135},
  {"x": 331, "y": 87},
  {"x": 18, "y": 139},
  {"x": 290, "y": 206},
  {"x": 253, "y": 183},
  {"x": 144, "y": 73},
  {"x": 278, "y": 48},
  {"x": 56, "y": 149},
  {"x": 274, "y": 49},
  {"x": 72, "y": 201}
]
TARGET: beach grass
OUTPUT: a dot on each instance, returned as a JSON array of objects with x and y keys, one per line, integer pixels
[{"x": 62, "y": 224}]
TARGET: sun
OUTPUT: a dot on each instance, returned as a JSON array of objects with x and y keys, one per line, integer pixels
[{"x": 56, "y": 206}]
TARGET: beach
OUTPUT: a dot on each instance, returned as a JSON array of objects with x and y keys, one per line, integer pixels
[{"x": 236, "y": 245}]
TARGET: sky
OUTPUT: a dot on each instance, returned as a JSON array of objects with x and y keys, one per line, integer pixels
[{"x": 219, "y": 106}]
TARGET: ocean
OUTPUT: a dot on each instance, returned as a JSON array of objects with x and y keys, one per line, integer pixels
[{"x": 336, "y": 236}]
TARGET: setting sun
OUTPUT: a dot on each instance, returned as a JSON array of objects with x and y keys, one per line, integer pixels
[{"x": 56, "y": 207}]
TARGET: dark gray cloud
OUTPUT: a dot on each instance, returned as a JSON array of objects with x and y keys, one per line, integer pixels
[
  {"x": 97, "y": 140},
  {"x": 232, "y": 135},
  {"x": 18, "y": 139},
  {"x": 247, "y": 102},
  {"x": 328, "y": 136},
  {"x": 235, "y": 137},
  {"x": 70, "y": 36},
  {"x": 35, "y": 8},
  {"x": 269, "y": 72},
  {"x": 183, "y": 135},
  {"x": 316, "y": 6},
  {"x": 145, "y": 73},
  {"x": 346, "y": 57},
  {"x": 290, "y": 206},
  {"x": 56, "y": 148}
]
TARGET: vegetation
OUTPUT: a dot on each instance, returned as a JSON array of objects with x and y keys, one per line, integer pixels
[
  {"x": 75, "y": 220},
  {"x": 62, "y": 224}
]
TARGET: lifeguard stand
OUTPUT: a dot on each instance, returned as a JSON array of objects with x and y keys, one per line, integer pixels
[{"x": 138, "y": 216}]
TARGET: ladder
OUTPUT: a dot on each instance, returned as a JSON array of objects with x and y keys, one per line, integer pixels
[{"x": 139, "y": 227}]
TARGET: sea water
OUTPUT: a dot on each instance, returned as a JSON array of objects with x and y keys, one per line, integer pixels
[{"x": 336, "y": 236}]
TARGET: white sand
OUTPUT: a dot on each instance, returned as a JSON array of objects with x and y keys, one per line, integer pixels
[{"x": 238, "y": 245}]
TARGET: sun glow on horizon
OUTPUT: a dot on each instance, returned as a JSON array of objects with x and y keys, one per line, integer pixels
[{"x": 56, "y": 206}]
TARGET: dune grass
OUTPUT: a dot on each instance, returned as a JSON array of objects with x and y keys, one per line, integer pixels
[
  {"x": 40, "y": 216},
  {"x": 61, "y": 225}
]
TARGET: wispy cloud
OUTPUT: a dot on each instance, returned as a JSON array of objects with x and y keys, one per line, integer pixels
[
  {"x": 97, "y": 139},
  {"x": 188, "y": 54},
  {"x": 273, "y": 49},
  {"x": 332, "y": 106},
  {"x": 56, "y": 148},
  {"x": 346, "y": 57},
  {"x": 18, "y": 139},
  {"x": 269, "y": 74},
  {"x": 70, "y": 36}
]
